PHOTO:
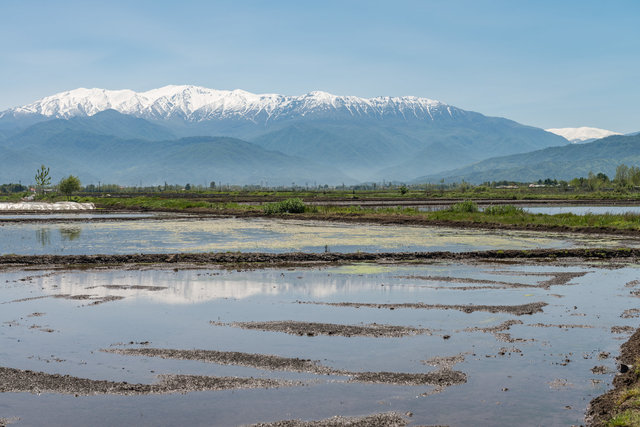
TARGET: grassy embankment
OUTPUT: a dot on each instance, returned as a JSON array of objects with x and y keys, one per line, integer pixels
[{"x": 463, "y": 213}]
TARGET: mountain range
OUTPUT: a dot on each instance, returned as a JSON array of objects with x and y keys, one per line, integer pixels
[
  {"x": 180, "y": 134},
  {"x": 563, "y": 163}
]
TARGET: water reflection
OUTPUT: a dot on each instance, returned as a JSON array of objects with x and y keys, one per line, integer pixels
[
  {"x": 70, "y": 233},
  {"x": 43, "y": 236}
]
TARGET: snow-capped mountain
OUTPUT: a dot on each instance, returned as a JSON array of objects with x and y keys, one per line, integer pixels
[
  {"x": 347, "y": 138},
  {"x": 197, "y": 104},
  {"x": 582, "y": 134}
]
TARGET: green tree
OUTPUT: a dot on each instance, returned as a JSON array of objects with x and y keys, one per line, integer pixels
[
  {"x": 69, "y": 185},
  {"x": 42, "y": 178}
]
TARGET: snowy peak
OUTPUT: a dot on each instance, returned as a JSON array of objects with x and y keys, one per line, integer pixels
[
  {"x": 195, "y": 104},
  {"x": 582, "y": 134}
]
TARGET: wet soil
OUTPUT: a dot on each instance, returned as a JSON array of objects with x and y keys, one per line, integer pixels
[
  {"x": 312, "y": 329},
  {"x": 445, "y": 362},
  {"x": 518, "y": 310},
  {"x": 622, "y": 329},
  {"x": 300, "y": 257},
  {"x": 440, "y": 378},
  {"x": 260, "y": 361},
  {"x": 603, "y": 408},
  {"x": 388, "y": 419},
  {"x": 17, "y": 380}
]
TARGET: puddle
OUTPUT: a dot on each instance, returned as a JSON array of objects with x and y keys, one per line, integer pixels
[
  {"x": 160, "y": 333},
  {"x": 262, "y": 235}
]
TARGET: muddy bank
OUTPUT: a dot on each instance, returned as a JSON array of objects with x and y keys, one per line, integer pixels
[
  {"x": 312, "y": 329},
  {"x": 445, "y": 362},
  {"x": 440, "y": 378},
  {"x": 18, "y": 381},
  {"x": 518, "y": 310},
  {"x": 301, "y": 257},
  {"x": 260, "y": 361},
  {"x": 443, "y": 377},
  {"x": 388, "y": 419},
  {"x": 603, "y": 408}
]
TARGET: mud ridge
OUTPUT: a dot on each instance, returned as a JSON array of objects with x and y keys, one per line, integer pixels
[
  {"x": 440, "y": 378},
  {"x": 260, "y": 361},
  {"x": 468, "y": 280},
  {"x": 387, "y": 419},
  {"x": 301, "y": 257},
  {"x": 518, "y": 310},
  {"x": 20, "y": 381},
  {"x": 311, "y": 329},
  {"x": 604, "y": 407}
]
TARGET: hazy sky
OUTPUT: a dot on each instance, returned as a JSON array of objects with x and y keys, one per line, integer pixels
[{"x": 544, "y": 63}]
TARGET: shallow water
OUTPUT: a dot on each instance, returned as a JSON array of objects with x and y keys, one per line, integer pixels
[
  {"x": 173, "y": 309},
  {"x": 266, "y": 235},
  {"x": 583, "y": 210},
  {"x": 76, "y": 215}
]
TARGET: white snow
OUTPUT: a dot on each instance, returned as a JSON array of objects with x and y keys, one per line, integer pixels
[
  {"x": 194, "y": 103},
  {"x": 578, "y": 135}
]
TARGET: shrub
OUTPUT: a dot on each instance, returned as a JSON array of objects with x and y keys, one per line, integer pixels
[
  {"x": 503, "y": 210},
  {"x": 285, "y": 206},
  {"x": 464, "y": 207}
]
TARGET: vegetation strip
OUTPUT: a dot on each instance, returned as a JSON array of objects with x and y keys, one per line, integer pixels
[
  {"x": 311, "y": 329},
  {"x": 518, "y": 310},
  {"x": 19, "y": 381},
  {"x": 462, "y": 214},
  {"x": 293, "y": 257},
  {"x": 388, "y": 419},
  {"x": 621, "y": 405}
]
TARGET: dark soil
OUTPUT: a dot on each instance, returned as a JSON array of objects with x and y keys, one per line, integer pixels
[
  {"x": 299, "y": 257},
  {"x": 603, "y": 408},
  {"x": 445, "y": 362},
  {"x": 389, "y": 419},
  {"x": 18, "y": 381},
  {"x": 311, "y": 329},
  {"x": 260, "y": 361},
  {"x": 440, "y": 378},
  {"x": 518, "y": 310}
]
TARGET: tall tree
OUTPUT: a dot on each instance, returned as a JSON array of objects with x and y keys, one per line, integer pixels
[{"x": 42, "y": 178}]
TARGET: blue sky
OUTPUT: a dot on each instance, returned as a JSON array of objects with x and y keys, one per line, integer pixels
[{"x": 543, "y": 63}]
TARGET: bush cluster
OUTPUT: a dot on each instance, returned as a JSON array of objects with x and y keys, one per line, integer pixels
[
  {"x": 464, "y": 207},
  {"x": 285, "y": 206},
  {"x": 503, "y": 210}
]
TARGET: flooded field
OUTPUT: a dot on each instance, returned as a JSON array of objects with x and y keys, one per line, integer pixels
[
  {"x": 583, "y": 210},
  {"x": 266, "y": 235},
  {"x": 446, "y": 343}
]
